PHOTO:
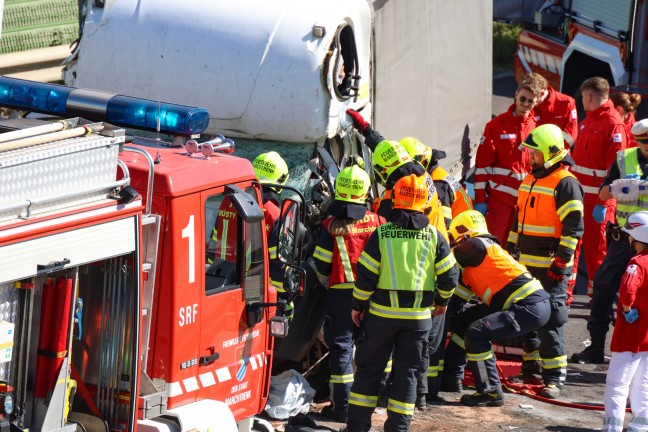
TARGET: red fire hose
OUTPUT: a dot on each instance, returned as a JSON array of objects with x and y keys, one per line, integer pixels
[
  {"x": 55, "y": 328},
  {"x": 532, "y": 395}
]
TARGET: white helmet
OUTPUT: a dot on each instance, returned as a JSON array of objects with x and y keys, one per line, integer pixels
[{"x": 637, "y": 226}]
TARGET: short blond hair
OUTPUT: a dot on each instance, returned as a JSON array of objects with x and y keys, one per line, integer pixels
[
  {"x": 534, "y": 79},
  {"x": 597, "y": 85},
  {"x": 530, "y": 87}
]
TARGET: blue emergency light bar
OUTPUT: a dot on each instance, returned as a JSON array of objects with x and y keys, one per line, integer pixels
[{"x": 96, "y": 105}]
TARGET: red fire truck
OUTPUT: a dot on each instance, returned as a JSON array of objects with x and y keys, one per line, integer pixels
[
  {"x": 115, "y": 314},
  {"x": 568, "y": 41}
]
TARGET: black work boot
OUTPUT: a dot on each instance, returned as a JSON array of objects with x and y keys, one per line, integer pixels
[
  {"x": 492, "y": 399},
  {"x": 331, "y": 413},
  {"x": 421, "y": 402},
  {"x": 591, "y": 354},
  {"x": 451, "y": 384},
  {"x": 434, "y": 400}
]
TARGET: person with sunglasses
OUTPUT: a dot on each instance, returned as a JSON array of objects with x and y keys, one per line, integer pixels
[
  {"x": 500, "y": 165},
  {"x": 630, "y": 164},
  {"x": 553, "y": 107}
]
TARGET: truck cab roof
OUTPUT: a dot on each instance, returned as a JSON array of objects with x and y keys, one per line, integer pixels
[{"x": 178, "y": 173}]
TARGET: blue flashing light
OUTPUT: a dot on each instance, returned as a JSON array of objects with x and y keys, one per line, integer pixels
[
  {"x": 33, "y": 96},
  {"x": 144, "y": 113},
  {"x": 120, "y": 110}
]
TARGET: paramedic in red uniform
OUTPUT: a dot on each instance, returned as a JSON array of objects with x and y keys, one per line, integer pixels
[
  {"x": 601, "y": 135},
  {"x": 553, "y": 107},
  {"x": 626, "y": 104},
  {"x": 501, "y": 165}
]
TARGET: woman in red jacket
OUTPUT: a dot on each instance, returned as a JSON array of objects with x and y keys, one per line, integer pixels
[
  {"x": 626, "y": 104},
  {"x": 628, "y": 370}
]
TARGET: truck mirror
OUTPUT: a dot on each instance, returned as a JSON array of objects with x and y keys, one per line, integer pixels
[
  {"x": 245, "y": 204},
  {"x": 291, "y": 232},
  {"x": 294, "y": 279}
]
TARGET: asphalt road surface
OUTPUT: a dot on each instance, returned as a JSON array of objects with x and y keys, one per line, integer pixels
[{"x": 584, "y": 387}]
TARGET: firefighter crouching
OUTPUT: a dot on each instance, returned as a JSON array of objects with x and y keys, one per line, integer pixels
[
  {"x": 405, "y": 275},
  {"x": 513, "y": 302},
  {"x": 341, "y": 241},
  {"x": 547, "y": 228}
]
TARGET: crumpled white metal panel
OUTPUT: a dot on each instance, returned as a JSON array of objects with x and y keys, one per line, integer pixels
[{"x": 55, "y": 168}]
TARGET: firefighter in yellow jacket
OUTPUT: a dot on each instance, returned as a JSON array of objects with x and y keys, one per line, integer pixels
[
  {"x": 454, "y": 200},
  {"x": 405, "y": 274},
  {"x": 547, "y": 228}
]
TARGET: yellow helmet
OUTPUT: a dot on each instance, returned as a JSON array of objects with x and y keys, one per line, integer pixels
[
  {"x": 414, "y": 192},
  {"x": 270, "y": 168},
  {"x": 387, "y": 157},
  {"x": 549, "y": 139},
  {"x": 418, "y": 151},
  {"x": 352, "y": 184},
  {"x": 467, "y": 224}
]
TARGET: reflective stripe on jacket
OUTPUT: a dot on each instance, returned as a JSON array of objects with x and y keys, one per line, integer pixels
[
  {"x": 401, "y": 271},
  {"x": 549, "y": 218},
  {"x": 500, "y": 166},
  {"x": 457, "y": 200},
  {"x": 225, "y": 231},
  {"x": 337, "y": 256},
  {"x": 397, "y": 245},
  {"x": 436, "y": 218},
  {"x": 494, "y": 275}
]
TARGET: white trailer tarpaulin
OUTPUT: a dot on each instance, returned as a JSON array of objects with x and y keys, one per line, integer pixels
[{"x": 439, "y": 88}]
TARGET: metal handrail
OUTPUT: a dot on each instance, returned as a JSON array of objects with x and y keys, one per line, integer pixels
[{"x": 149, "y": 193}]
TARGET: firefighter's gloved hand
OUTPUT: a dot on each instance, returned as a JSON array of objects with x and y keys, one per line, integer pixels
[
  {"x": 599, "y": 213},
  {"x": 481, "y": 208},
  {"x": 557, "y": 269},
  {"x": 358, "y": 121},
  {"x": 358, "y": 160},
  {"x": 631, "y": 316},
  {"x": 632, "y": 177},
  {"x": 289, "y": 310},
  {"x": 354, "y": 160}
]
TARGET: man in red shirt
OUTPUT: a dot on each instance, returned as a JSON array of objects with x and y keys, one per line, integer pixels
[
  {"x": 601, "y": 135},
  {"x": 553, "y": 107},
  {"x": 501, "y": 165}
]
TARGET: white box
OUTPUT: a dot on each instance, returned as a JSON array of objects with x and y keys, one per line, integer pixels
[{"x": 6, "y": 341}]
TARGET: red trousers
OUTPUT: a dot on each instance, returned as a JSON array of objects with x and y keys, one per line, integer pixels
[
  {"x": 594, "y": 246},
  {"x": 499, "y": 218}
]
